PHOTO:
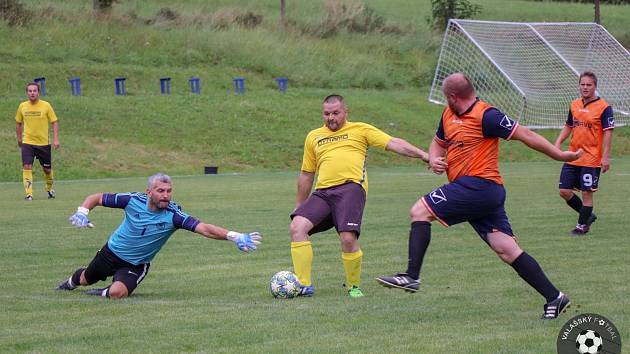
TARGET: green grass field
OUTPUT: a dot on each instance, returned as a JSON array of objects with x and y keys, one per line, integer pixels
[{"x": 205, "y": 296}]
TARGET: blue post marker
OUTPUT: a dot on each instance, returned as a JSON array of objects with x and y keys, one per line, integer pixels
[
  {"x": 239, "y": 85},
  {"x": 194, "y": 85},
  {"x": 120, "y": 86},
  {"x": 75, "y": 86},
  {"x": 40, "y": 82},
  {"x": 165, "y": 85},
  {"x": 282, "y": 84}
]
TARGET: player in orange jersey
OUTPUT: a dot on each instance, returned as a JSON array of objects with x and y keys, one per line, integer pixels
[
  {"x": 590, "y": 124},
  {"x": 466, "y": 147}
]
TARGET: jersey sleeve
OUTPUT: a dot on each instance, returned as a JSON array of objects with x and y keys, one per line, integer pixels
[
  {"x": 52, "y": 117},
  {"x": 309, "y": 163},
  {"x": 115, "y": 200},
  {"x": 376, "y": 137},
  {"x": 608, "y": 119},
  {"x": 569, "y": 122},
  {"x": 439, "y": 133},
  {"x": 18, "y": 115},
  {"x": 184, "y": 221},
  {"x": 496, "y": 124}
]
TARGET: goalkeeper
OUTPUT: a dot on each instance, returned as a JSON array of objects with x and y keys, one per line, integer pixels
[{"x": 150, "y": 220}]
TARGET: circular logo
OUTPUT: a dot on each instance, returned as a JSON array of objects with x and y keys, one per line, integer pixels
[{"x": 588, "y": 333}]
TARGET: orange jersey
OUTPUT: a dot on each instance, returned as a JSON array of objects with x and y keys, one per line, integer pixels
[
  {"x": 472, "y": 140},
  {"x": 587, "y": 123}
]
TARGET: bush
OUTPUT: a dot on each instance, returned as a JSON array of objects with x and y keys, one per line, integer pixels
[
  {"x": 228, "y": 17},
  {"x": 352, "y": 16},
  {"x": 14, "y": 13},
  {"x": 443, "y": 10}
]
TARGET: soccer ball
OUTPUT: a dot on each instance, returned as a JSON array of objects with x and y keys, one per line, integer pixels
[
  {"x": 284, "y": 285},
  {"x": 588, "y": 341}
]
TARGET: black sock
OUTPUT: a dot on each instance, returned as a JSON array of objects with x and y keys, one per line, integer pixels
[
  {"x": 527, "y": 267},
  {"x": 575, "y": 203},
  {"x": 585, "y": 213},
  {"x": 419, "y": 238},
  {"x": 76, "y": 277}
]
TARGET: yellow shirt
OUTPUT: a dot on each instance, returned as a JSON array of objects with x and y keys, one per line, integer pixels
[
  {"x": 35, "y": 119},
  {"x": 339, "y": 157}
]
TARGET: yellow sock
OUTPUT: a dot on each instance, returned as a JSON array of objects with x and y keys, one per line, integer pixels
[
  {"x": 352, "y": 265},
  {"x": 27, "y": 179},
  {"x": 302, "y": 256},
  {"x": 49, "y": 181}
]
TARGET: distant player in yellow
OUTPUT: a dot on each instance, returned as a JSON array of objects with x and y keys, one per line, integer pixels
[
  {"x": 32, "y": 119},
  {"x": 337, "y": 153}
]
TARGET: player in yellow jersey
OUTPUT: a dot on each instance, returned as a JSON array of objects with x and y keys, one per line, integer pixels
[
  {"x": 337, "y": 153},
  {"x": 32, "y": 119}
]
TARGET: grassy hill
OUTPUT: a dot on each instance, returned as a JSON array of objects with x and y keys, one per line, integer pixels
[{"x": 384, "y": 74}]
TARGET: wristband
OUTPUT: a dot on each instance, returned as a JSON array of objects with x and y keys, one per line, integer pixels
[
  {"x": 83, "y": 210},
  {"x": 233, "y": 235}
]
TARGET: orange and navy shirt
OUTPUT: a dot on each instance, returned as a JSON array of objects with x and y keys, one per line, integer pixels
[
  {"x": 471, "y": 140},
  {"x": 588, "y": 122}
]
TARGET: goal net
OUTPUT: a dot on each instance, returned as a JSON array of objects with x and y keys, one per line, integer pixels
[{"x": 530, "y": 70}]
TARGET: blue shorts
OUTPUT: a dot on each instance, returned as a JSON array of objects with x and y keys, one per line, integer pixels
[
  {"x": 579, "y": 178},
  {"x": 473, "y": 199}
]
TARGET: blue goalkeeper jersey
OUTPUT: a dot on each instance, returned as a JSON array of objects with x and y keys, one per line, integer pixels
[{"x": 143, "y": 232}]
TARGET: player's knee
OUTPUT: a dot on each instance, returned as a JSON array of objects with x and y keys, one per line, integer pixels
[
  {"x": 298, "y": 230},
  {"x": 27, "y": 167},
  {"x": 419, "y": 212},
  {"x": 566, "y": 194},
  {"x": 118, "y": 290}
]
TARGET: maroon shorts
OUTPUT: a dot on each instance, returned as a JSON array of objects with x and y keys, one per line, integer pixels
[
  {"x": 43, "y": 154},
  {"x": 340, "y": 206}
]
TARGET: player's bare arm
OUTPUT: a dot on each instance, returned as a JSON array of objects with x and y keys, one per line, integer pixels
[
  {"x": 304, "y": 186},
  {"x": 437, "y": 152},
  {"x": 564, "y": 134},
  {"x": 18, "y": 133},
  {"x": 55, "y": 127},
  {"x": 403, "y": 147},
  {"x": 606, "y": 146},
  {"x": 539, "y": 143}
]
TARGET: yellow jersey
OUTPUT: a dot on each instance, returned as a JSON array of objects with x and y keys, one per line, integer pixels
[
  {"x": 35, "y": 119},
  {"x": 339, "y": 157}
]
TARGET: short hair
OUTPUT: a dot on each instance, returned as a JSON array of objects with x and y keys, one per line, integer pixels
[
  {"x": 334, "y": 98},
  {"x": 32, "y": 84},
  {"x": 459, "y": 84},
  {"x": 588, "y": 74},
  {"x": 159, "y": 177}
]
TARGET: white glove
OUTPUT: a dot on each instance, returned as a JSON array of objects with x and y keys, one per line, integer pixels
[
  {"x": 245, "y": 242},
  {"x": 80, "y": 218}
]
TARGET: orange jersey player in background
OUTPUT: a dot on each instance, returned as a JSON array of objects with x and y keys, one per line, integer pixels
[{"x": 591, "y": 123}]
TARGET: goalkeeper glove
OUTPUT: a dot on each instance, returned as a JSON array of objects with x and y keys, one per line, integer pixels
[
  {"x": 245, "y": 242},
  {"x": 80, "y": 219}
]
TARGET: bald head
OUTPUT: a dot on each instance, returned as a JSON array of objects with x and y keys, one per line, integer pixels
[{"x": 459, "y": 85}]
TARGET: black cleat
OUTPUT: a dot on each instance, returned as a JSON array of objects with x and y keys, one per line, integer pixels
[
  {"x": 96, "y": 292},
  {"x": 554, "y": 308},
  {"x": 51, "y": 194},
  {"x": 580, "y": 230},
  {"x": 400, "y": 281},
  {"x": 28, "y": 198},
  {"x": 65, "y": 285}
]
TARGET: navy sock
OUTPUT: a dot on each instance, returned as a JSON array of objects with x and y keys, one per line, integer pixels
[
  {"x": 585, "y": 213},
  {"x": 76, "y": 277},
  {"x": 419, "y": 238},
  {"x": 528, "y": 269},
  {"x": 575, "y": 203}
]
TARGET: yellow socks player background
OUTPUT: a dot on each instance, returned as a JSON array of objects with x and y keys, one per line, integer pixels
[
  {"x": 27, "y": 178},
  {"x": 302, "y": 256},
  {"x": 352, "y": 265}
]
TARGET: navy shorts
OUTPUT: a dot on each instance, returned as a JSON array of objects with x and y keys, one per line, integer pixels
[
  {"x": 106, "y": 263},
  {"x": 339, "y": 206},
  {"x": 473, "y": 199},
  {"x": 43, "y": 154},
  {"x": 579, "y": 178}
]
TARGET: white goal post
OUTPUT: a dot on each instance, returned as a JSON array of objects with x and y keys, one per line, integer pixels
[{"x": 530, "y": 70}]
